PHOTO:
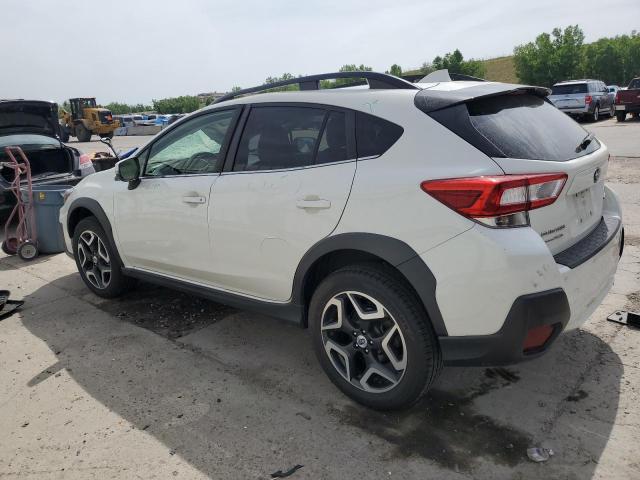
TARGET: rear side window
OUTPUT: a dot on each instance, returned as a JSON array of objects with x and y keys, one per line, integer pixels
[
  {"x": 279, "y": 137},
  {"x": 374, "y": 135},
  {"x": 528, "y": 127},
  {"x": 569, "y": 89},
  {"x": 635, "y": 83}
]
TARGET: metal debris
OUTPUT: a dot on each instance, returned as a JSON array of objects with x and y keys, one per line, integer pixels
[
  {"x": 539, "y": 454},
  {"x": 631, "y": 319},
  {"x": 291, "y": 471}
]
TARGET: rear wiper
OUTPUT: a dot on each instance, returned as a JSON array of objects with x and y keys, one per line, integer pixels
[{"x": 585, "y": 142}]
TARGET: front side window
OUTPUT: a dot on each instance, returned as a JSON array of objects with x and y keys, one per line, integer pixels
[
  {"x": 279, "y": 137},
  {"x": 192, "y": 148}
]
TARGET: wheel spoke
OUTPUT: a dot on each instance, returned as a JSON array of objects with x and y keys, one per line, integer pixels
[
  {"x": 374, "y": 369},
  {"x": 82, "y": 255},
  {"x": 105, "y": 274},
  {"x": 102, "y": 252},
  {"x": 93, "y": 278},
  {"x": 377, "y": 313},
  {"x": 336, "y": 305},
  {"x": 398, "y": 363},
  {"x": 341, "y": 358}
]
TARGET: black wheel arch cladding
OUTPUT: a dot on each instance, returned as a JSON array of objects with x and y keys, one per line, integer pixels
[
  {"x": 96, "y": 211},
  {"x": 393, "y": 251}
]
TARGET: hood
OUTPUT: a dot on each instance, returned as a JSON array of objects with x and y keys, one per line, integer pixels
[{"x": 29, "y": 116}]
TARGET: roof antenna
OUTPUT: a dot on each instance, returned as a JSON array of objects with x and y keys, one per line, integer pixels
[{"x": 437, "y": 76}]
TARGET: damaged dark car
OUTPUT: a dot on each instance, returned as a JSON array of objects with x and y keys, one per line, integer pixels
[{"x": 33, "y": 126}]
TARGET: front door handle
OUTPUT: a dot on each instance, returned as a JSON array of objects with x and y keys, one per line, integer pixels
[
  {"x": 194, "y": 199},
  {"x": 317, "y": 204}
]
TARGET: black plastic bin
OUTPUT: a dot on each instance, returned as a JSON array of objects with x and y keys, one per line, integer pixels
[{"x": 47, "y": 201}]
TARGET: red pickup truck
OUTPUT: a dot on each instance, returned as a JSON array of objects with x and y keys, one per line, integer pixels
[{"x": 628, "y": 100}]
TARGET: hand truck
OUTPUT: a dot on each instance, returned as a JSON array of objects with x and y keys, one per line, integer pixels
[{"x": 24, "y": 241}]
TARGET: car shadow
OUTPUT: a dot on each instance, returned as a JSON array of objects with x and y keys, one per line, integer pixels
[{"x": 478, "y": 421}]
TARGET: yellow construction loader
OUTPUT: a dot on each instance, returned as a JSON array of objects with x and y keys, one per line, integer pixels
[{"x": 86, "y": 119}]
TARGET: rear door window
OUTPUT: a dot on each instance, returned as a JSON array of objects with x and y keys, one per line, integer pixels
[
  {"x": 526, "y": 126},
  {"x": 279, "y": 137},
  {"x": 375, "y": 135}
]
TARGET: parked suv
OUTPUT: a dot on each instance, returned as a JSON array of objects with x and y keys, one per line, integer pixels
[
  {"x": 583, "y": 99},
  {"x": 406, "y": 225}
]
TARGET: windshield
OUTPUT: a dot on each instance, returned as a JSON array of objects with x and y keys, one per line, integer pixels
[
  {"x": 569, "y": 89},
  {"x": 28, "y": 141}
]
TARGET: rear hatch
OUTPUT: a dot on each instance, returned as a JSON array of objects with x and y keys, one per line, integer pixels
[
  {"x": 29, "y": 116},
  {"x": 571, "y": 95},
  {"x": 524, "y": 134}
]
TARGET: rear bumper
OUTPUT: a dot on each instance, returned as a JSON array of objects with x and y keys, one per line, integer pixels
[
  {"x": 506, "y": 346},
  {"x": 576, "y": 110},
  {"x": 628, "y": 108}
]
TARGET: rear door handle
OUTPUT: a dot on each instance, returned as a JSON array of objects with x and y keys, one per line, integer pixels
[
  {"x": 194, "y": 200},
  {"x": 317, "y": 204}
]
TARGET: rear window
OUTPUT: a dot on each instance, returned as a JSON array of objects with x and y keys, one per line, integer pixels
[
  {"x": 569, "y": 89},
  {"x": 635, "y": 83},
  {"x": 374, "y": 135},
  {"x": 528, "y": 127}
]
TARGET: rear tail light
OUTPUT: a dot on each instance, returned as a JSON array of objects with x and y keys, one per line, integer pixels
[
  {"x": 500, "y": 200},
  {"x": 617, "y": 99},
  {"x": 85, "y": 160},
  {"x": 588, "y": 99}
]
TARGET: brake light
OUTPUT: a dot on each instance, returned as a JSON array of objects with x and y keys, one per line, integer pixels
[
  {"x": 85, "y": 160},
  {"x": 617, "y": 99},
  {"x": 500, "y": 200},
  {"x": 588, "y": 99}
]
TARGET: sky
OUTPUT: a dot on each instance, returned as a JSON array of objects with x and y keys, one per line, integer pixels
[{"x": 137, "y": 50}]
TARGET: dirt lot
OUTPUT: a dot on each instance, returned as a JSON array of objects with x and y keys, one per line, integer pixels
[{"x": 161, "y": 385}]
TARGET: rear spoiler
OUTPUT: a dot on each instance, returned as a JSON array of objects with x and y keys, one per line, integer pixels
[{"x": 429, "y": 100}]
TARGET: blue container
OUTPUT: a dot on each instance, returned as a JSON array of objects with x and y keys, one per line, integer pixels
[{"x": 47, "y": 201}]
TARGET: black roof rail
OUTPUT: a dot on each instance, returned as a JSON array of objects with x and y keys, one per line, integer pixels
[{"x": 312, "y": 82}]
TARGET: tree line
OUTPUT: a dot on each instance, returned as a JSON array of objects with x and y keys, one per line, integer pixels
[{"x": 563, "y": 55}]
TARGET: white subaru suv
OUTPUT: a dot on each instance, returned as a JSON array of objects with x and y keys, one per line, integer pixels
[{"x": 405, "y": 225}]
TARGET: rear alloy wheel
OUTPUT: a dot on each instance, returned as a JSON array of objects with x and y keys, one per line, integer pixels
[
  {"x": 612, "y": 111},
  {"x": 97, "y": 261},
  {"x": 373, "y": 338},
  {"x": 595, "y": 116}
]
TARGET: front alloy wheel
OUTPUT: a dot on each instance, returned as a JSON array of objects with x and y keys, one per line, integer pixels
[
  {"x": 93, "y": 259},
  {"x": 363, "y": 342}
]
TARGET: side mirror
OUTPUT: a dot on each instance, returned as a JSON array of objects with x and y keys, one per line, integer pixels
[{"x": 128, "y": 170}]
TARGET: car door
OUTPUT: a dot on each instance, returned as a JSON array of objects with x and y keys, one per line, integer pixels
[
  {"x": 286, "y": 190},
  {"x": 162, "y": 225}
]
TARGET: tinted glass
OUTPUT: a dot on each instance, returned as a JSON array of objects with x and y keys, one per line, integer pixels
[
  {"x": 192, "y": 148},
  {"x": 526, "y": 126},
  {"x": 333, "y": 144},
  {"x": 569, "y": 89},
  {"x": 635, "y": 83},
  {"x": 279, "y": 137},
  {"x": 374, "y": 135}
]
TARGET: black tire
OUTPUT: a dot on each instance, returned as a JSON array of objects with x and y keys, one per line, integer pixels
[
  {"x": 82, "y": 134},
  {"x": 595, "y": 116},
  {"x": 117, "y": 283},
  {"x": 27, "y": 251},
  {"x": 10, "y": 246},
  {"x": 64, "y": 133},
  {"x": 420, "y": 348},
  {"x": 621, "y": 116}
]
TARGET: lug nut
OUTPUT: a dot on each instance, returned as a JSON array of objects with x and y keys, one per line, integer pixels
[
  {"x": 370, "y": 342},
  {"x": 366, "y": 350},
  {"x": 355, "y": 333}
]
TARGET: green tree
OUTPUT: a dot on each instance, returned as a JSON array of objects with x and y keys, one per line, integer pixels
[
  {"x": 396, "y": 70},
  {"x": 124, "y": 108},
  {"x": 454, "y": 62},
  {"x": 550, "y": 58},
  {"x": 184, "y": 104}
]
